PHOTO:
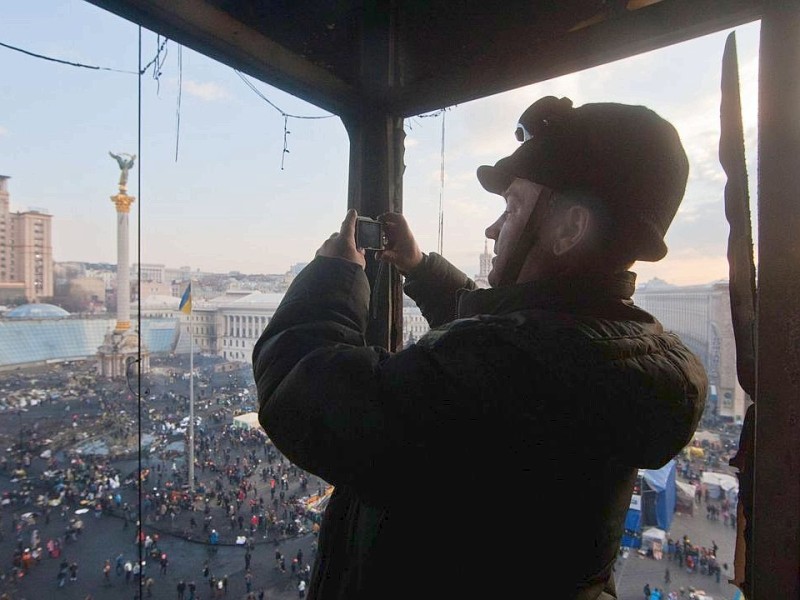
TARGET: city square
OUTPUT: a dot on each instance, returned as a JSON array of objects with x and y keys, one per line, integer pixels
[{"x": 109, "y": 533}]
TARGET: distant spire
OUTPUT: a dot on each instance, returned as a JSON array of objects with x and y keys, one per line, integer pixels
[{"x": 485, "y": 262}]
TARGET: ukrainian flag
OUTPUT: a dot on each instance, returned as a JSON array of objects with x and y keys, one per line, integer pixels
[{"x": 186, "y": 300}]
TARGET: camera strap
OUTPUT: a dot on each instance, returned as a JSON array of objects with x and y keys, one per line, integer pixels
[{"x": 380, "y": 276}]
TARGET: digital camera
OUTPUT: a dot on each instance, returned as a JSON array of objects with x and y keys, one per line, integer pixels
[{"x": 369, "y": 234}]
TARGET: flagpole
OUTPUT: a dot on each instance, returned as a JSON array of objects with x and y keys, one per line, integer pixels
[{"x": 191, "y": 398}]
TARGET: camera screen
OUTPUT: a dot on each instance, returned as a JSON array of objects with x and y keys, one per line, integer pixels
[{"x": 369, "y": 234}]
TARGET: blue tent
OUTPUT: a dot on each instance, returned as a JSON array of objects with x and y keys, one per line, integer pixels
[
  {"x": 652, "y": 504},
  {"x": 659, "y": 496},
  {"x": 632, "y": 536}
]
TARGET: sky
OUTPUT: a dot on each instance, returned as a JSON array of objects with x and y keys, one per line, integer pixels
[{"x": 218, "y": 193}]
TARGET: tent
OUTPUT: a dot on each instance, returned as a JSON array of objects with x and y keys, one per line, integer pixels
[
  {"x": 247, "y": 421},
  {"x": 175, "y": 448},
  {"x": 695, "y": 452},
  {"x": 721, "y": 484},
  {"x": 631, "y": 536},
  {"x": 654, "y": 539},
  {"x": 684, "y": 498},
  {"x": 659, "y": 496},
  {"x": 652, "y": 503}
]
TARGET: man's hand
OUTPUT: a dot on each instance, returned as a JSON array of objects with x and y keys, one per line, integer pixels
[
  {"x": 343, "y": 244},
  {"x": 401, "y": 248}
]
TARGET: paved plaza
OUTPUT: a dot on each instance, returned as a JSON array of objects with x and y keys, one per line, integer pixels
[{"x": 106, "y": 408}]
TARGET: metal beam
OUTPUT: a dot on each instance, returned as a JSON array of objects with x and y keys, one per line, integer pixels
[
  {"x": 512, "y": 62},
  {"x": 214, "y": 33},
  {"x": 376, "y": 165},
  {"x": 776, "y": 504}
]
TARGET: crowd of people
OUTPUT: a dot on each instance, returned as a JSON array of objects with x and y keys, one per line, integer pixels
[
  {"x": 695, "y": 558},
  {"x": 245, "y": 491}
]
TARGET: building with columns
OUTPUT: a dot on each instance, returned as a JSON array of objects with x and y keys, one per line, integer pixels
[
  {"x": 26, "y": 251},
  {"x": 229, "y": 325}
]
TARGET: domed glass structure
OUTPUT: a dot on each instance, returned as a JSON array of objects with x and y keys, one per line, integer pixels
[{"x": 37, "y": 311}]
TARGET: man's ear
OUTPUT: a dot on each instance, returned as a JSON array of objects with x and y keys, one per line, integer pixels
[{"x": 574, "y": 225}]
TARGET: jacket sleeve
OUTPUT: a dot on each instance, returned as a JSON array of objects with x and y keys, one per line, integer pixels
[
  {"x": 349, "y": 413},
  {"x": 318, "y": 383},
  {"x": 435, "y": 285}
]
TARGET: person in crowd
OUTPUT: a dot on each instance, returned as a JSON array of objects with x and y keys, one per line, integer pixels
[
  {"x": 73, "y": 571},
  {"x": 552, "y": 380}
]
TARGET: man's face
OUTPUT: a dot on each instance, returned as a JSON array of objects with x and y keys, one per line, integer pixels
[{"x": 521, "y": 196}]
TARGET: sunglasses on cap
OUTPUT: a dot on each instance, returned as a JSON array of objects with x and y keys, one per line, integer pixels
[{"x": 522, "y": 134}]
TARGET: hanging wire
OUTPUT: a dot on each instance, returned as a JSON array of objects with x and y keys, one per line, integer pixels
[
  {"x": 178, "y": 107},
  {"x": 140, "y": 524},
  {"x": 423, "y": 116},
  {"x": 439, "y": 113},
  {"x": 441, "y": 191},
  {"x": 275, "y": 106},
  {"x": 66, "y": 62},
  {"x": 431, "y": 114},
  {"x": 130, "y": 361},
  {"x": 141, "y": 70},
  {"x": 159, "y": 61},
  {"x": 286, "y": 116},
  {"x": 286, "y": 133}
]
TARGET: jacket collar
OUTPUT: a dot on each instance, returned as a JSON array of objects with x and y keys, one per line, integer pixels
[{"x": 590, "y": 294}]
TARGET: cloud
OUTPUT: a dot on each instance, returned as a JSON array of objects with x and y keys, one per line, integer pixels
[
  {"x": 3, "y": 131},
  {"x": 209, "y": 91}
]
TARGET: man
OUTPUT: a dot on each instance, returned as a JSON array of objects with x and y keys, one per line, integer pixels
[{"x": 551, "y": 385}]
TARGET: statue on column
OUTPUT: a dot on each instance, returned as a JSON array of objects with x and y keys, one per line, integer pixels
[{"x": 125, "y": 162}]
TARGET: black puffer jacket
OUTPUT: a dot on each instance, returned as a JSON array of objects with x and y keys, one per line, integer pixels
[{"x": 519, "y": 425}]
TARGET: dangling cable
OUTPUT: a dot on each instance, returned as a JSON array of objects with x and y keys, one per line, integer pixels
[
  {"x": 178, "y": 108},
  {"x": 441, "y": 193},
  {"x": 286, "y": 116},
  {"x": 286, "y": 132},
  {"x": 159, "y": 61},
  {"x": 140, "y": 524}
]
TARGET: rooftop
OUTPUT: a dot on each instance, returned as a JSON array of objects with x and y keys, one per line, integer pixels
[{"x": 37, "y": 311}]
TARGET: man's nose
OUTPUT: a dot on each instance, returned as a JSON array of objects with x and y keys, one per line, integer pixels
[{"x": 492, "y": 230}]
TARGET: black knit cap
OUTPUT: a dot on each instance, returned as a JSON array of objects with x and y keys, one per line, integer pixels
[{"x": 625, "y": 155}]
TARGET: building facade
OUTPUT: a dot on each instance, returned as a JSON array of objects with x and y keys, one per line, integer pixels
[
  {"x": 414, "y": 324},
  {"x": 149, "y": 272},
  {"x": 701, "y": 316},
  {"x": 241, "y": 323},
  {"x": 26, "y": 251}
]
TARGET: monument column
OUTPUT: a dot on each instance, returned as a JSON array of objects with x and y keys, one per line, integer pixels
[
  {"x": 123, "y": 203},
  {"x": 122, "y": 347}
]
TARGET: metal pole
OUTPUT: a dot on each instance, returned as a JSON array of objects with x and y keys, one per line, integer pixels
[
  {"x": 191, "y": 401},
  {"x": 776, "y": 487}
]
